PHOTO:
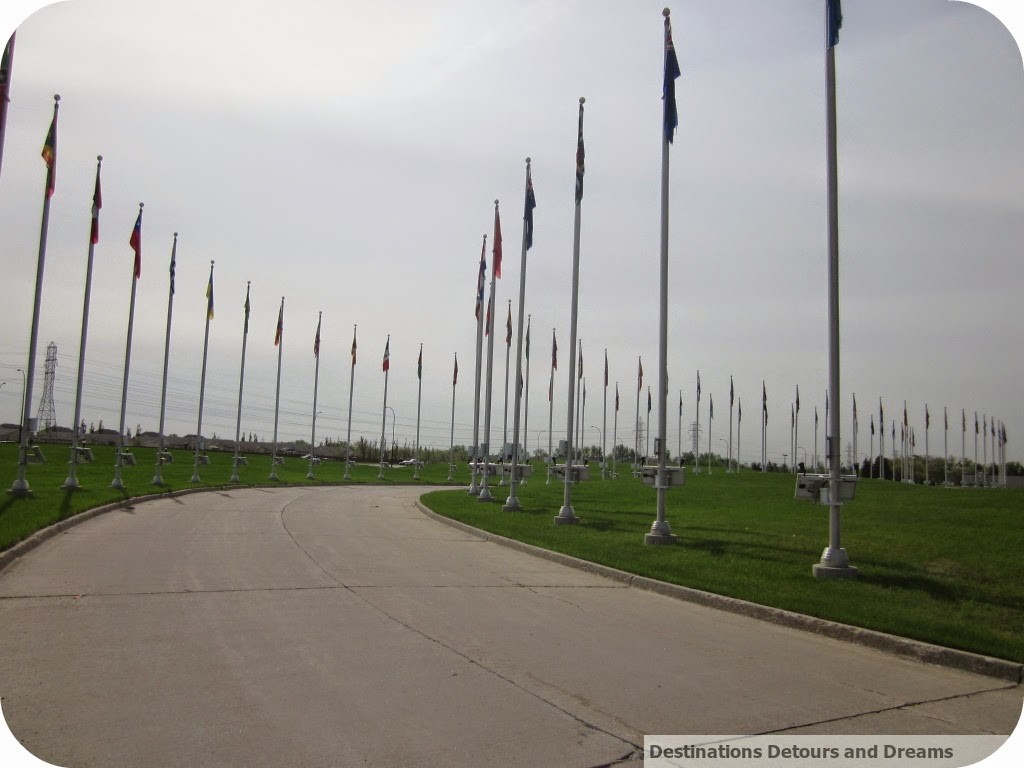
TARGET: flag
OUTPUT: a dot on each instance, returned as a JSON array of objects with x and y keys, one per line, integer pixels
[
  {"x": 739, "y": 412},
  {"x": 171, "y": 270},
  {"x": 616, "y": 397},
  {"x": 731, "y": 393},
  {"x": 872, "y": 425},
  {"x": 815, "y": 417},
  {"x": 579, "y": 160},
  {"x": 209, "y": 297},
  {"x": 945, "y": 419},
  {"x": 455, "y": 375},
  {"x": 711, "y": 407},
  {"x": 927, "y": 418},
  {"x": 419, "y": 365},
  {"x": 835, "y": 21},
  {"x": 316, "y": 341},
  {"x": 135, "y": 241},
  {"x": 246, "y": 328},
  {"x": 496, "y": 247},
  {"x": 554, "y": 351},
  {"x": 881, "y": 417},
  {"x": 640, "y": 375},
  {"x": 579, "y": 372},
  {"x": 97, "y": 203},
  {"x": 963, "y": 418},
  {"x": 508, "y": 327},
  {"x": 764, "y": 402},
  {"x": 798, "y": 398},
  {"x": 481, "y": 280},
  {"x": 353, "y": 346},
  {"x": 280, "y": 325},
  {"x": 551, "y": 386},
  {"x": 668, "y": 94},
  {"x": 49, "y": 155},
  {"x": 648, "y": 399},
  {"x": 387, "y": 354},
  {"x": 854, "y": 408},
  {"x": 530, "y": 204},
  {"x": 606, "y": 369},
  {"x": 975, "y": 422},
  {"x": 680, "y": 405},
  {"x": 906, "y": 422},
  {"x": 527, "y": 341}
]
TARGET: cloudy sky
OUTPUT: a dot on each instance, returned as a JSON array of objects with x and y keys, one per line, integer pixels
[{"x": 347, "y": 156}]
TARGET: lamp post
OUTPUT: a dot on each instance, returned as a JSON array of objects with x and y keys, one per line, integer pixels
[{"x": 801, "y": 448}]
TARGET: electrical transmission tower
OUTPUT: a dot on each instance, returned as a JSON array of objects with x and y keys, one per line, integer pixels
[{"x": 46, "y": 412}]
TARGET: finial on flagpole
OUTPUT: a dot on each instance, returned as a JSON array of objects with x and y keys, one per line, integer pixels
[
  {"x": 248, "y": 283},
  {"x": 140, "y": 206},
  {"x": 99, "y": 159},
  {"x": 211, "y": 262},
  {"x": 528, "y": 161},
  {"x": 666, "y": 13},
  {"x": 583, "y": 99},
  {"x": 56, "y": 97},
  {"x": 495, "y": 203},
  {"x": 175, "y": 235}
]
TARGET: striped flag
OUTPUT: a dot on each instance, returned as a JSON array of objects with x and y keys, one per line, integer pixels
[
  {"x": 171, "y": 269},
  {"x": 387, "y": 355},
  {"x": 508, "y": 327},
  {"x": 97, "y": 203},
  {"x": 481, "y": 279},
  {"x": 554, "y": 351},
  {"x": 135, "y": 241},
  {"x": 49, "y": 155}
]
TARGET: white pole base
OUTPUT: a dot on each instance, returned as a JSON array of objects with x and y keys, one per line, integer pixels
[
  {"x": 485, "y": 494},
  {"x": 512, "y": 505},
  {"x": 835, "y": 564},
  {"x": 71, "y": 484},
  {"x": 117, "y": 483},
  {"x": 566, "y": 516},
  {"x": 157, "y": 480}
]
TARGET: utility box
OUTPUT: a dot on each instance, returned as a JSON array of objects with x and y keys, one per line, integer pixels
[
  {"x": 847, "y": 489},
  {"x": 579, "y": 472},
  {"x": 812, "y": 487},
  {"x": 674, "y": 476}
]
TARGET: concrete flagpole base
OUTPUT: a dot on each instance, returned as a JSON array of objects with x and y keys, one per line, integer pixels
[
  {"x": 566, "y": 516},
  {"x": 661, "y": 533},
  {"x": 835, "y": 564},
  {"x": 157, "y": 480},
  {"x": 512, "y": 505}
]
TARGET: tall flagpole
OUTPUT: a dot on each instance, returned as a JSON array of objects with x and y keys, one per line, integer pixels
[
  {"x": 94, "y": 236},
  {"x": 696, "y": 439},
  {"x": 739, "y": 425},
  {"x": 551, "y": 405},
  {"x": 881, "y": 441},
  {"x": 834, "y": 560},
  {"x": 764, "y": 427},
  {"x": 202, "y": 376},
  {"x": 451, "y": 458},
  {"x": 615, "y": 428},
  {"x": 351, "y": 390},
  {"x": 647, "y": 436},
  {"x": 136, "y": 243},
  {"x": 386, "y": 366},
  {"x": 279, "y": 343},
  {"x": 241, "y": 381},
  {"x": 661, "y": 531},
  {"x": 711, "y": 418},
  {"x": 512, "y": 503},
  {"x": 604, "y": 419},
  {"x": 796, "y": 426},
  {"x": 316, "y": 384},
  {"x": 728, "y": 463},
  {"x": 508, "y": 354},
  {"x": 157, "y": 478},
  {"x": 526, "y": 408},
  {"x": 50, "y": 157},
  {"x": 975, "y": 448},
  {"x": 481, "y": 284},
  {"x": 680, "y": 447},
  {"x": 856, "y": 461},
  {"x": 945, "y": 445},
  {"x": 566, "y": 515},
  {"x": 419, "y": 400},
  {"x": 963, "y": 447},
  {"x": 579, "y": 399},
  {"x": 485, "y": 491},
  {"x": 636, "y": 422}
]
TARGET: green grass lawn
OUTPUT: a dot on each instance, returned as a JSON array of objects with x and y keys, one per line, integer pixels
[
  {"x": 48, "y": 502},
  {"x": 936, "y": 564}
]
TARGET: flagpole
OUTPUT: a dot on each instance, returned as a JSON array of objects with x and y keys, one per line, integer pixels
[
  {"x": 579, "y": 399},
  {"x": 615, "y": 428},
  {"x": 202, "y": 376},
  {"x": 647, "y": 435},
  {"x": 20, "y": 485},
  {"x": 351, "y": 390},
  {"x": 241, "y": 380},
  {"x": 680, "y": 446},
  {"x": 834, "y": 559},
  {"x": 739, "y": 424},
  {"x": 711, "y": 417},
  {"x": 636, "y": 423},
  {"x": 566, "y": 515},
  {"x": 451, "y": 458},
  {"x": 474, "y": 489},
  {"x": 117, "y": 482},
  {"x": 551, "y": 407},
  {"x": 764, "y": 427},
  {"x": 157, "y": 478},
  {"x": 728, "y": 463},
  {"x": 277, "y": 390},
  {"x": 975, "y": 448},
  {"x": 485, "y": 491},
  {"x": 856, "y": 462},
  {"x": 984, "y": 449},
  {"x": 419, "y": 400},
  {"x": 926, "y": 425},
  {"x": 945, "y": 445},
  {"x": 661, "y": 531},
  {"x": 604, "y": 419},
  {"x": 881, "y": 441},
  {"x": 796, "y": 426},
  {"x": 316, "y": 384},
  {"x": 526, "y": 410},
  {"x": 508, "y": 353},
  {"x": 384, "y": 410},
  {"x": 963, "y": 447},
  {"x": 72, "y": 479},
  {"x": 696, "y": 437}
]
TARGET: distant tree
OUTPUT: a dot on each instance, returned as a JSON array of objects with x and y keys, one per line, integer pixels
[
  {"x": 100, "y": 427},
  {"x": 92, "y": 428},
  {"x": 1014, "y": 468}
]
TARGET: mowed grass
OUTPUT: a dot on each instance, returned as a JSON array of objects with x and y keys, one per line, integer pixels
[
  {"x": 937, "y": 564},
  {"x": 48, "y": 502}
]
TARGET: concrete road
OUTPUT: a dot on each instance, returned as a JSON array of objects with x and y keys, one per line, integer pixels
[{"x": 342, "y": 627}]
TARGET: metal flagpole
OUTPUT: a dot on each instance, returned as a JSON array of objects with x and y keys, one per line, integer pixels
[
  {"x": 481, "y": 283},
  {"x": 351, "y": 390},
  {"x": 893, "y": 441},
  {"x": 945, "y": 445},
  {"x": 386, "y": 365},
  {"x": 615, "y": 428},
  {"x": 566, "y": 515},
  {"x": 636, "y": 424},
  {"x": 881, "y": 441},
  {"x": 202, "y": 376},
  {"x": 984, "y": 448},
  {"x": 508, "y": 354},
  {"x": 451, "y": 456},
  {"x": 728, "y": 462},
  {"x": 72, "y": 479},
  {"x": 279, "y": 343},
  {"x": 551, "y": 405},
  {"x": 50, "y": 157},
  {"x": 316, "y": 384},
  {"x": 604, "y": 420},
  {"x": 975, "y": 448},
  {"x": 680, "y": 447},
  {"x": 963, "y": 447},
  {"x": 871, "y": 450},
  {"x": 136, "y": 243},
  {"x": 157, "y": 479},
  {"x": 834, "y": 559},
  {"x": 579, "y": 385},
  {"x": 856, "y": 462},
  {"x": 739, "y": 425},
  {"x": 241, "y": 381},
  {"x": 796, "y": 426},
  {"x": 647, "y": 431},
  {"x": 485, "y": 491},
  {"x": 815, "y": 438},
  {"x": 927, "y": 424},
  {"x": 526, "y": 412},
  {"x": 661, "y": 531},
  {"x": 696, "y": 439},
  {"x": 764, "y": 427},
  {"x": 419, "y": 400},
  {"x": 711, "y": 417}
]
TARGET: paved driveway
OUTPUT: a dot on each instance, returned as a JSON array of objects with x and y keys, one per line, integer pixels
[{"x": 342, "y": 627}]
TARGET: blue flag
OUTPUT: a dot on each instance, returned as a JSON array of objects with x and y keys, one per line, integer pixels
[
  {"x": 835, "y": 21},
  {"x": 669, "y": 87}
]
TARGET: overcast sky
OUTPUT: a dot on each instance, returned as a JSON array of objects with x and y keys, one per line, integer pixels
[{"x": 347, "y": 155}]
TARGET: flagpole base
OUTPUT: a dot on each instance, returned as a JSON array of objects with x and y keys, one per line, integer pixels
[
  {"x": 451, "y": 473},
  {"x": 655, "y": 539},
  {"x": 309, "y": 476},
  {"x": 195, "y": 478},
  {"x": 566, "y": 516},
  {"x": 512, "y": 505},
  {"x": 72, "y": 484},
  {"x": 835, "y": 564},
  {"x": 485, "y": 494},
  {"x": 117, "y": 483},
  {"x": 157, "y": 480},
  {"x": 234, "y": 479},
  {"x": 474, "y": 489},
  {"x": 273, "y": 476}
]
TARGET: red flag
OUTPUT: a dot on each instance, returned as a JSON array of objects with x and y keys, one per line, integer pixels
[
  {"x": 135, "y": 241},
  {"x": 497, "y": 242},
  {"x": 387, "y": 354},
  {"x": 508, "y": 327},
  {"x": 49, "y": 155},
  {"x": 353, "y": 346},
  {"x": 280, "y": 325}
]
